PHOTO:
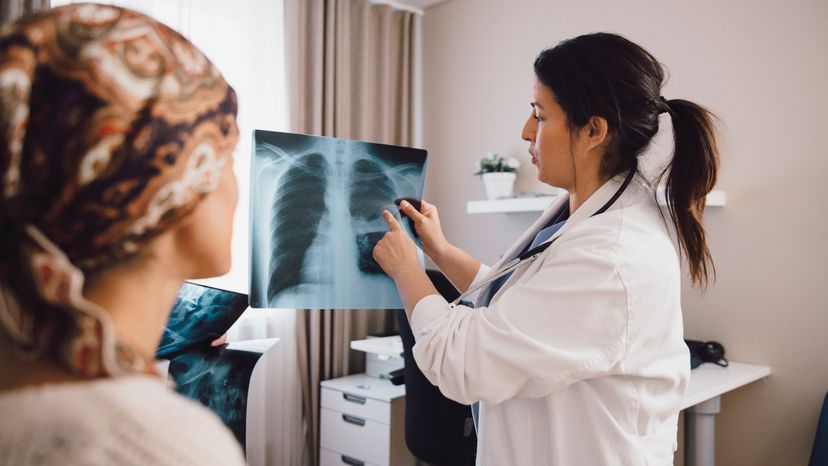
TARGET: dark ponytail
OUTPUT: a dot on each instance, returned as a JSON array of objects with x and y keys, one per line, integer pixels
[
  {"x": 690, "y": 176},
  {"x": 608, "y": 76}
]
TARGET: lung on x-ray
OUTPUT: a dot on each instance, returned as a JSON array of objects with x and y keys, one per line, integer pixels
[{"x": 315, "y": 210}]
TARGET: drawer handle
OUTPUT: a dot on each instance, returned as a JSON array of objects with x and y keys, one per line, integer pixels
[
  {"x": 351, "y": 461},
  {"x": 354, "y": 398},
  {"x": 353, "y": 420}
]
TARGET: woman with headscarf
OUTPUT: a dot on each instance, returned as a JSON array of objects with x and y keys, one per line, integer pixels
[{"x": 116, "y": 185}]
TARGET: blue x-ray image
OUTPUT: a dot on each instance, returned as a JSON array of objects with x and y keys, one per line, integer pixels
[
  {"x": 218, "y": 378},
  {"x": 315, "y": 213},
  {"x": 200, "y": 315}
]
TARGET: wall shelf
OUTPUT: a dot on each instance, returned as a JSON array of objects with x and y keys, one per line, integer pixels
[{"x": 538, "y": 204}]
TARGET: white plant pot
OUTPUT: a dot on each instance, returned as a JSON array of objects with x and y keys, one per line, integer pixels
[{"x": 499, "y": 185}]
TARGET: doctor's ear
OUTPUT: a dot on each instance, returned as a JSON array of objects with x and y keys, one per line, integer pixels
[{"x": 596, "y": 132}]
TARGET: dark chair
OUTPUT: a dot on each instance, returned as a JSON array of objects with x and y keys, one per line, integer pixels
[
  {"x": 819, "y": 454},
  {"x": 438, "y": 431}
]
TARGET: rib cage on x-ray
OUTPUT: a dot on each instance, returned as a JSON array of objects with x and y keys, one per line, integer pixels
[
  {"x": 372, "y": 190},
  {"x": 314, "y": 235},
  {"x": 297, "y": 210}
]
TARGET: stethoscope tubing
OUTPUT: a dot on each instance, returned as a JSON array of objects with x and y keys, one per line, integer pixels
[{"x": 533, "y": 254}]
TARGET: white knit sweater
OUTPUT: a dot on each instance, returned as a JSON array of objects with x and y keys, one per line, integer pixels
[{"x": 133, "y": 420}]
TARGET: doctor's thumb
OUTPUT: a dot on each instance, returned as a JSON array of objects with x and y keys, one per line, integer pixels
[{"x": 411, "y": 212}]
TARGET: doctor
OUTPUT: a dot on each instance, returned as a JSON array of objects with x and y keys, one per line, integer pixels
[{"x": 575, "y": 354}]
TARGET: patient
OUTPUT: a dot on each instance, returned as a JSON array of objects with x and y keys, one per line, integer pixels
[{"x": 116, "y": 185}]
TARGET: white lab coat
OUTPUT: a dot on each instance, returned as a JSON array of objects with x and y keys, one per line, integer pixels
[{"x": 579, "y": 359}]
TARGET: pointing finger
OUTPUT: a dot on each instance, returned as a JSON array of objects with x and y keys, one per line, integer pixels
[{"x": 392, "y": 222}]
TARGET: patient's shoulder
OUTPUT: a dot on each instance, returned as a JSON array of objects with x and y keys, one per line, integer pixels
[{"x": 126, "y": 420}]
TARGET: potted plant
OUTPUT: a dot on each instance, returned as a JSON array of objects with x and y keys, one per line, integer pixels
[{"x": 498, "y": 175}]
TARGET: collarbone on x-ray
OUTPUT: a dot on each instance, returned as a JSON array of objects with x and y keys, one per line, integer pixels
[{"x": 316, "y": 214}]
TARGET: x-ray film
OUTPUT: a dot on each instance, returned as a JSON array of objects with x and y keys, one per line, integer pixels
[
  {"x": 316, "y": 206},
  {"x": 200, "y": 315}
]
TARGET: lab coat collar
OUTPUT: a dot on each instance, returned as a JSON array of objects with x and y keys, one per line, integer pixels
[{"x": 586, "y": 209}]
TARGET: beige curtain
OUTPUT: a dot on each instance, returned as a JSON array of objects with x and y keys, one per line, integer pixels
[
  {"x": 10, "y": 10},
  {"x": 350, "y": 69},
  {"x": 349, "y": 76}
]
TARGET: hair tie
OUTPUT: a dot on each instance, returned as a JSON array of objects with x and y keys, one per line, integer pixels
[{"x": 665, "y": 106}]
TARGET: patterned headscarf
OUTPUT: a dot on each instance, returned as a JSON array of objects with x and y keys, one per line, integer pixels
[{"x": 112, "y": 128}]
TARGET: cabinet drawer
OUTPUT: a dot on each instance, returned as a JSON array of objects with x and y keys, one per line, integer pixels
[
  {"x": 330, "y": 458},
  {"x": 357, "y": 405},
  {"x": 354, "y": 436}
]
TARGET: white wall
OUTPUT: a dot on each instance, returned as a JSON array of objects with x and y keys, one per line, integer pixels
[{"x": 762, "y": 66}]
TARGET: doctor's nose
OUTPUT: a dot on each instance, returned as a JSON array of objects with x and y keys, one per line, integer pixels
[{"x": 528, "y": 133}]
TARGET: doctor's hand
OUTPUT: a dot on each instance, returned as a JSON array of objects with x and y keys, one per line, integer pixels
[
  {"x": 396, "y": 251},
  {"x": 427, "y": 224}
]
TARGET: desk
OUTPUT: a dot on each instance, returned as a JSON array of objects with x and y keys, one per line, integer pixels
[{"x": 703, "y": 401}]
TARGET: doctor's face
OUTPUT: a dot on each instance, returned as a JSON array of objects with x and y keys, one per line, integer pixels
[{"x": 548, "y": 134}]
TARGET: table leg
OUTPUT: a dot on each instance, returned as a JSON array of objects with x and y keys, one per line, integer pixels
[{"x": 700, "y": 433}]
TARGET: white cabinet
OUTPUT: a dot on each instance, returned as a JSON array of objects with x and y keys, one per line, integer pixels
[
  {"x": 362, "y": 423},
  {"x": 329, "y": 458}
]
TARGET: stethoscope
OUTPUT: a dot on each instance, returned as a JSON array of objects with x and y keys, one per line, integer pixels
[{"x": 532, "y": 255}]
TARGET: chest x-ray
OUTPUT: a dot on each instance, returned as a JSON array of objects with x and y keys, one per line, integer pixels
[{"x": 316, "y": 207}]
